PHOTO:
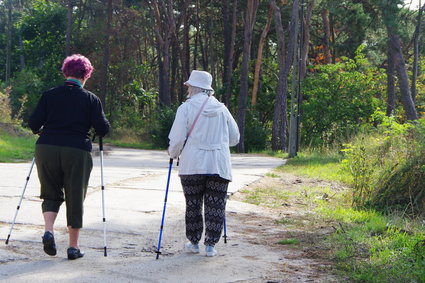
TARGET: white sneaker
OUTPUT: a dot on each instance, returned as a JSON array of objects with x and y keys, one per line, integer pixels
[
  {"x": 193, "y": 248},
  {"x": 210, "y": 251}
]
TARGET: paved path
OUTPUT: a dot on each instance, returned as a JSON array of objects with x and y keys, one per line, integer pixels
[{"x": 135, "y": 182}]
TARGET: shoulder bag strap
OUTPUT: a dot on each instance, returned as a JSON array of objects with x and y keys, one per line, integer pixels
[{"x": 193, "y": 125}]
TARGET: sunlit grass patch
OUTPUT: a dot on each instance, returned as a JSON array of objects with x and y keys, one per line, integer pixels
[
  {"x": 272, "y": 175},
  {"x": 369, "y": 247},
  {"x": 268, "y": 196},
  {"x": 15, "y": 149},
  {"x": 317, "y": 165}
]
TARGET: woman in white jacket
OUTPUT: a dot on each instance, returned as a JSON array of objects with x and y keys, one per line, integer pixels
[{"x": 201, "y": 135}]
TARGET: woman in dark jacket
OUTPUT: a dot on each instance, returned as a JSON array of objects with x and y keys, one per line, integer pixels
[{"x": 63, "y": 118}]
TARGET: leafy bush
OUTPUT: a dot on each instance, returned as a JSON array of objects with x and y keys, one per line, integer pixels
[
  {"x": 256, "y": 135},
  {"x": 388, "y": 166},
  {"x": 338, "y": 98},
  {"x": 25, "y": 93},
  {"x": 5, "y": 108},
  {"x": 162, "y": 121},
  {"x": 403, "y": 185}
]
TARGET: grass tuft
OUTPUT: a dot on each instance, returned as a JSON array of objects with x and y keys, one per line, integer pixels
[{"x": 289, "y": 242}]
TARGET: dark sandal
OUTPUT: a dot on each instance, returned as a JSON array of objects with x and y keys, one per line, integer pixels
[
  {"x": 49, "y": 245},
  {"x": 74, "y": 253}
]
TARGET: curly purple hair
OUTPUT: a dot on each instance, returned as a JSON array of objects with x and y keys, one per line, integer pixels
[{"x": 77, "y": 66}]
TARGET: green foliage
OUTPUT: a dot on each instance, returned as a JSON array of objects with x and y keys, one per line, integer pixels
[
  {"x": 314, "y": 164},
  {"x": 256, "y": 135},
  {"x": 387, "y": 167},
  {"x": 289, "y": 242},
  {"x": 370, "y": 247},
  {"x": 132, "y": 107},
  {"x": 5, "y": 107},
  {"x": 338, "y": 98},
  {"x": 362, "y": 169},
  {"x": 26, "y": 90},
  {"x": 16, "y": 148},
  {"x": 354, "y": 33},
  {"x": 161, "y": 125},
  {"x": 42, "y": 29},
  {"x": 16, "y": 143},
  {"x": 267, "y": 196}
]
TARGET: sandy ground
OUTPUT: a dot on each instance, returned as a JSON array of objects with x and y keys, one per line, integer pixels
[{"x": 134, "y": 193}]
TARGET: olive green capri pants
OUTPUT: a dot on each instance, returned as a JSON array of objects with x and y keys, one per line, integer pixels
[{"x": 64, "y": 174}]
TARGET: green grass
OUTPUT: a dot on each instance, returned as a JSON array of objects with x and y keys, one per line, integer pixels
[
  {"x": 268, "y": 197},
  {"x": 370, "y": 247},
  {"x": 289, "y": 242},
  {"x": 16, "y": 149},
  {"x": 318, "y": 165},
  {"x": 272, "y": 175},
  {"x": 366, "y": 246}
]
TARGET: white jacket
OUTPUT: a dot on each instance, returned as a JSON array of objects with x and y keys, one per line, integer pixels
[{"x": 207, "y": 148}]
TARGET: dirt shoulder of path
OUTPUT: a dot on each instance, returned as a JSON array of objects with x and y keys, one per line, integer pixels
[{"x": 293, "y": 219}]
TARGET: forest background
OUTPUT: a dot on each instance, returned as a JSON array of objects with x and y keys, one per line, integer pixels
[
  {"x": 340, "y": 85},
  {"x": 349, "y": 55}
]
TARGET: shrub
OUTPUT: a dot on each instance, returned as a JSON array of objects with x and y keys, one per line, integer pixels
[
  {"x": 388, "y": 166},
  {"x": 256, "y": 135},
  {"x": 161, "y": 125},
  {"x": 338, "y": 98},
  {"x": 5, "y": 107},
  {"x": 25, "y": 93}
]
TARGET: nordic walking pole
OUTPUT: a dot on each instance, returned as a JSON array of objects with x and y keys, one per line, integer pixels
[
  {"x": 103, "y": 195},
  {"x": 224, "y": 224},
  {"x": 20, "y": 201},
  {"x": 224, "y": 227},
  {"x": 163, "y": 211}
]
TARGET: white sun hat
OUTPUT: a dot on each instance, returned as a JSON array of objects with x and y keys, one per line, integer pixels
[{"x": 200, "y": 79}]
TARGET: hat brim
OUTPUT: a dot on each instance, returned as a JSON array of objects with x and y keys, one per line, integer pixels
[{"x": 190, "y": 84}]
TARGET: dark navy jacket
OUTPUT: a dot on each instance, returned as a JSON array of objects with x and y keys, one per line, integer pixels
[{"x": 65, "y": 115}]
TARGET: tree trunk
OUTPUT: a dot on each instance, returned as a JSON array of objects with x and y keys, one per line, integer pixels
[
  {"x": 195, "y": 48},
  {"x": 251, "y": 12},
  {"x": 327, "y": 36},
  {"x": 400, "y": 67},
  {"x": 186, "y": 52},
  {"x": 390, "y": 84},
  {"x": 9, "y": 41},
  {"x": 260, "y": 56},
  {"x": 21, "y": 45},
  {"x": 174, "y": 66},
  {"x": 229, "y": 49},
  {"x": 164, "y": 35},
  {"x": 416, "y": 53},
  {"x": 68, "y": 28},
  {"x": 293, "y": 125},
  {"x": 105, "y": 62},
  {"x": 279, "y": 127},
  {"x": 306, "y": 40}
]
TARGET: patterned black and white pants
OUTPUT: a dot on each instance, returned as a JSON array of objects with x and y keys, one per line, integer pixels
[{"x": 210, "y": 191}]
